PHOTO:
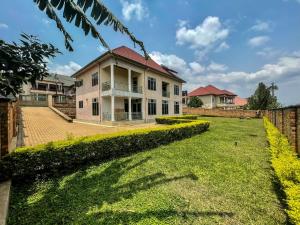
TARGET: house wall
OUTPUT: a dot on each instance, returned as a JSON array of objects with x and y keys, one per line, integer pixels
[
  {"x": 207, "y": 101},
  {"x": 149, "y": 94},
  {"x": 86, "y": 93}
]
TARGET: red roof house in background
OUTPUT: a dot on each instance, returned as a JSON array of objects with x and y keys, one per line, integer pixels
[
  {"x": 238, "y": 101},
  {"x": 213, "y": 97}
]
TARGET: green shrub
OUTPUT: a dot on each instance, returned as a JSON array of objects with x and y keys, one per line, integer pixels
[
  {"x": 56, "y": 157},
  {"x": 286, "y": 165},
  {"x": 175, "y": 119}
]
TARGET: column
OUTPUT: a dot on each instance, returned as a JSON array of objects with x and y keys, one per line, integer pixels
[
  {"x": 129, "y": 109},
  {"x": 112, "y": 76},
  {"x": 112, "y": 108},
  {"x": 129, "y": 80}
]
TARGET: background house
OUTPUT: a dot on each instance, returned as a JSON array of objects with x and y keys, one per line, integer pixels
[
  {"x": 59, "y": 87},
  {"x": 123, "y": 85},
  {"x": 213, "y": 97}
]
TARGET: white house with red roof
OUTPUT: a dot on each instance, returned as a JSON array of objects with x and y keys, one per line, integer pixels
[
  {"x": 122, "y": 85},
  {"x": 212, "y": 97}
]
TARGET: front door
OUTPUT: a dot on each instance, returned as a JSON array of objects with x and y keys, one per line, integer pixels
[{"x": 136, "y": 107}]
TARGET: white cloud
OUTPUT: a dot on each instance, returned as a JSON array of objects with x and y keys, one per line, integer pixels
[
  {"x": 216, "y": 67},
  {"x": 203, "y": 35},
  {"x": 223, "y": 46},
  {"x": 204, "y": 38},
  {"x": 134, "y": 9},
  {"x": 197, "y": 67},
  {"x": 258, "y": 41},
  {"x": 3, "y": 25},
  {"x": 67, "y": 69},
  {"x": 261, "y": 26},
  {"x": 269, "y": 53}
]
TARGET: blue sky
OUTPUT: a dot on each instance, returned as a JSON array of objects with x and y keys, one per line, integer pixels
[{"x": 232, "y": 44}]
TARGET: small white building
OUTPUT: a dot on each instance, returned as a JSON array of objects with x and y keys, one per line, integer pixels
[{"x": 123, "y": 85}]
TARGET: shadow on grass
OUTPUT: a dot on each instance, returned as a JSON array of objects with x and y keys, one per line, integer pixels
[{"x": 74, "y": 198}]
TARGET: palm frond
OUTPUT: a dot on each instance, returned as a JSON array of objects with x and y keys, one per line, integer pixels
[{"x": 99, "y": 12}]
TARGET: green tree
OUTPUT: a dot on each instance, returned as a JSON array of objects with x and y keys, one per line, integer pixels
[
  {"x": 262, "y": 99},
  {"x": 23, "y": 63},
  {"x": 77, "y": 11},
  {"x": 195, "y": 102}
]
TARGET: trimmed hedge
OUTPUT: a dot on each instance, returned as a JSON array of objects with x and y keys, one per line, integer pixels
[
  {"x": 286, "y": 165},
  {"x": 170, "y": 120},
  {"x": 55, "y": 157}
]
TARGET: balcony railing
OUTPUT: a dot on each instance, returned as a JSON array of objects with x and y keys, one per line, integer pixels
[
  {"x": 123, "y": 116},
  {"x": 45, "y": 89},
  {"x": 121, "y": 87},
  {"x": 166, "y": 94}
]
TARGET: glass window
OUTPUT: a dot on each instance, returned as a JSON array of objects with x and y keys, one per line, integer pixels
[
  {"x": 176, "y": 89},
  {"x": 80, "y": 104},
  {"x": 176, "y": 107},
  {"x": 151, "y": 83},
  {"x": 95, "y": 107},
  {"x": 151, "y": 107},
  {"x": 165, "y": 107},
  {"x": 94, "y": 79}
]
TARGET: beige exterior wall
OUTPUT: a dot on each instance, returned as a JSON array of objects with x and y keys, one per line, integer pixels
[{"x": 87, "y": 92}]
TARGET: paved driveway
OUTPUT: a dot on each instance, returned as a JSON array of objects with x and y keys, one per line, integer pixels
[{"x": 42, "y": 125}]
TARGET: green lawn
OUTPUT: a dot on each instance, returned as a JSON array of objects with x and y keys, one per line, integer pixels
[{"x": 222, "y": 176}]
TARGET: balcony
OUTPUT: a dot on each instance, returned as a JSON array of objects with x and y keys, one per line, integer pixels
[{"x": 121, "y": 89}]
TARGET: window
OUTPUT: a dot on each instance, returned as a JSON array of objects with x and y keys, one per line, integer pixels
[
  {"x": 151, "y": 107},
  {"x": 78, "y": 83},
  {"x": 80, "y": 104},
  {"x": 176, "y": 89},
  {"x": 94, "y": 79},
  {"x": 95, "y": 107},
  {"x": 165, "y": 90},
  {"x": 176, "y": 107},
  {"x": 151, "y": 84},
  {"x": 165, "y": 107}
]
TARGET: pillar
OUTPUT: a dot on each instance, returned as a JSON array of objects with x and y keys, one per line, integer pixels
[{"x": 129, "y": 109}]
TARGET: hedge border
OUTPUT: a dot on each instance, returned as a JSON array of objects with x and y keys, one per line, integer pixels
[
  {"x": 286, "y": 165},
  {"x": 56, "y": 157}
]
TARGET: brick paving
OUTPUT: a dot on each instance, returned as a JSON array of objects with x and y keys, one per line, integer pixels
[{"x": 41, "y": 125}]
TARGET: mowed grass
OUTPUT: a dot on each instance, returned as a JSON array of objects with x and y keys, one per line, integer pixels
[{"x": 222, "y": 176}]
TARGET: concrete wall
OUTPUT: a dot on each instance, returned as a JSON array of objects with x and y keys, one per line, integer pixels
[{"x": 222, "y": 112}]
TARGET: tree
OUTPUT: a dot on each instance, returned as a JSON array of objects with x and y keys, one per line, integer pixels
[
  {"x": 23, "y": 63},
  {"x": 77, "y": 11},
  {"x": 262, "y": 99},
  {"x": 195, "y": 102}
]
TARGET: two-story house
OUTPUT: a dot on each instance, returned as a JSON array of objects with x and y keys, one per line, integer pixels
[
  {"x": 60, "y": 87},
  {"x": 213, "y": 97},
  {"x": 123, "y": 85}
]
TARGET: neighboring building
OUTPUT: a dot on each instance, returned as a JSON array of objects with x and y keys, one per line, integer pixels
[
  {"x": 59, "y": 87},
  {"x": 122, "y": 85},
  {"x": 240, "y": 102},
  {"x": 213, "y": 97}
]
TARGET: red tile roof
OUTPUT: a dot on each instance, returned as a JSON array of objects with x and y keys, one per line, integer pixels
[
  {"x": 240, "y": 101},
  {"x": 132, "y": 55},
  {"x": 210, "y": 90}
]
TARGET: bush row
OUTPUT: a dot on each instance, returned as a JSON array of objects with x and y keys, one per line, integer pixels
[
  {"x": 175, "y": 119},
  {"x": 57, "y": 157},
  {"x": 286, "y": 165}
]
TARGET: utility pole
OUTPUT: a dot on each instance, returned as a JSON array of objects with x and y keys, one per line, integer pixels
[{"x": 273, "y": 88}]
